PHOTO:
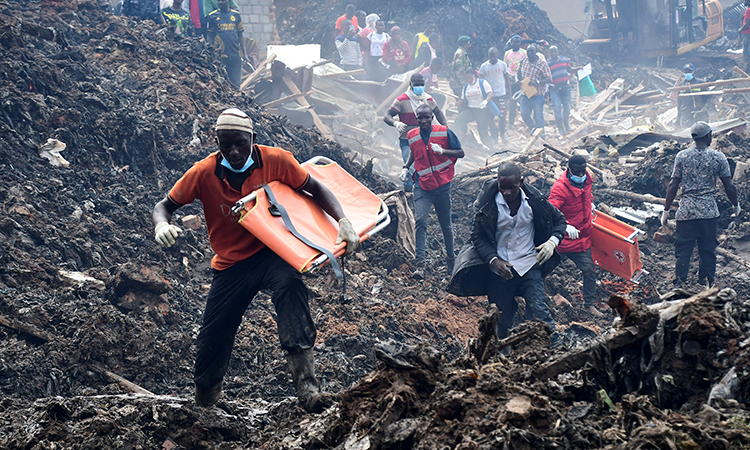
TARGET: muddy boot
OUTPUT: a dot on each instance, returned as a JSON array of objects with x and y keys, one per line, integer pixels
[
  {"x": 419, "y": 273},
  {"x": 302, "y": 367},
  {"x": 207, "y": 397}
]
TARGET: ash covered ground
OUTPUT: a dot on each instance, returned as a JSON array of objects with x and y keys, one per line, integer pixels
[{"x": 127, "y": 100}]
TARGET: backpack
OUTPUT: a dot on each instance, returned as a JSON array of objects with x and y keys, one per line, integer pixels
[{"x": 491, "y": 106}]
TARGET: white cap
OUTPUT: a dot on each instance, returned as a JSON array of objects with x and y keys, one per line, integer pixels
[{"x": 234, "y": 119}]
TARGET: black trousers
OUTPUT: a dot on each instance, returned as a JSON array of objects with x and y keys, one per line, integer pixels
[
  {"x": 234, "y": 70},
  {"x": 231, "y": 292},
  {"x": 702, "y": 231}
]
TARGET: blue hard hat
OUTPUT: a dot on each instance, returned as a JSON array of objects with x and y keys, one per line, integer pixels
[{"x": 689, "y": 66}]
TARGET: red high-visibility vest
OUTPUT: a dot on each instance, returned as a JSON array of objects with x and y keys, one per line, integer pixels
[{"x": 433, "y": 170}]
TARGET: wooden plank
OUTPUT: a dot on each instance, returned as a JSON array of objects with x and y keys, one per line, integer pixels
[
  {"x": 117, "y": 378},
  {"x": 21, "y": 327},
  {"x": 717, "y": 92},
  {"x": 625, "y": 96},
  {"x": 616, "y": 85},
  {"x": 709, "y": 84},
  {"x": 745, "y": 75},
  {"x": 343, "y": 74},
  {"x": 303, "y": 101},
  {"x": 281, "y": 101},
  {"x": 398, "y": 91},
  {"x": 260, "y": 70}
]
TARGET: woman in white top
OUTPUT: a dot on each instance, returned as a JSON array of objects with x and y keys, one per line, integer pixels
[
  {"x": 374, "y": 49},
  {"x": 475, "y": 98}
]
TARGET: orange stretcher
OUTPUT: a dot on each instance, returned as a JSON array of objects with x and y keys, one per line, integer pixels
[
  {"x": 614, "y": 247},
  {"x": 294, "y": 227}
]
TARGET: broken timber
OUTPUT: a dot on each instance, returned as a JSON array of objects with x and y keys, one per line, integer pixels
[
  {"x": 719, "y": 92},
  {"x": 260, "y": 70},
  {"x": 686, "y": 87},
  {"x": 648, "y": 198},
  {"x": 281, "y": 101},
  {"x": 399, "y": 90},
  {"x": 303, "y": 101},
  {"x": 128, "y": 384}
]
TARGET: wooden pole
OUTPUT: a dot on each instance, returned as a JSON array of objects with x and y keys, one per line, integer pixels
[
  {"x": 721, "y": 92},
  {"x": 281, "y": 101},
  {"x": 648, "y": 198},
  {"x": 303, "y": 101},
  {"x": 260, "y": 70},
  {"x": 686, "y": 87},
  {"x": 400, "y": 90}
]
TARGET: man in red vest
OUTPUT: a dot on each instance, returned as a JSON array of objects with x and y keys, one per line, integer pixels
[
  {"x": 571, "y": 194},
  {"x": 434, "y": 151}
]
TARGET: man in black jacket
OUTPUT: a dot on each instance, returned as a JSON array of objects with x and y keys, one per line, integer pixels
[{"x": 513, "y": 247}]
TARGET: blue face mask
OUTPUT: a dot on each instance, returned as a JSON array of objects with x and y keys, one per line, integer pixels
[
  {"x": 247, "y": 165},
  {"x": 688, "y": 76},
  {"x": 419, "y": 90},
  {"x": 576, "y": 179}
]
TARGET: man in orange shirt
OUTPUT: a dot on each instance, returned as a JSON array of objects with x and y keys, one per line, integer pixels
[{"x": 243, "y": 265}]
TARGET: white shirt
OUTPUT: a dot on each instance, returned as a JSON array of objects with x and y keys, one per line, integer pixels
[
  {"x": 377, "y": 40},
  {"x": 473, "y": 93},
  {"x": 495, "y": 75},
  {"x": 515, "y": 234}
]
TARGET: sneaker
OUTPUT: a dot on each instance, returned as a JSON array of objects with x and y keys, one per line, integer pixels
[
  {"x": 408, "y": 188},
  {"x": 418, "y": 274}
]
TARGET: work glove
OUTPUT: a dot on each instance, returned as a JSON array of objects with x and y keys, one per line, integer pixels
[
  {"x": 593, "y": 207},
  {"x": 483, "y": 104},
  {"x": 400, "y": 126},
  {"x": 437, "y": 148},
  {"x": 546, "y": 251},
  {"x": 664, "y": 218},
  {"x": 572, "y": 232},
  {"x": 404, "y": 174},
  {"x": 348, "y": 235},
  {"x": 737, "y": 210},
  {"x": 166, "y": 233}
]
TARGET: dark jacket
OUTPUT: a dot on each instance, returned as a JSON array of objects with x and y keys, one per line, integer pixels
[{"x": 472, "y": 268}]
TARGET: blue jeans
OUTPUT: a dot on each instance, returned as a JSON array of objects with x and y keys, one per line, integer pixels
[
  {"x": 533, "y": 105},
  {"x": 585, "y": 264},
  {"x": 423, "y": 201},
  {"x": 503, "y": 294},
  {"x": 560, "y": 97},
  {"x": 405, "y": 152}
]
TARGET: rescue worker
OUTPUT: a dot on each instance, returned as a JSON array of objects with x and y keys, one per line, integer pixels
[
  {"x": 423, "y": 38},
  {"x": 571, "y": 194},
  {"x": 434, "y": 151},
  {"x": 534, "y": 68},
  {"x": 405, "y": 106},
  {"x": 697, "y": 216},
  {"x": 512, "y": 58},
  {"x": 242, "y": 264},
  {"x": 693, "y": 108},
  {"x": 512, "y": 249}
]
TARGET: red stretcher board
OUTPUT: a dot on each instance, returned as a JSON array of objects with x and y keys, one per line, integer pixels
[
  {"x": 614, "y": 247},
  {"x": 366, "y": 212}
]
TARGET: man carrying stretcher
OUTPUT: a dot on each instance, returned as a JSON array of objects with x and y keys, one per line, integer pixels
[{"x": 242, "y": 265}]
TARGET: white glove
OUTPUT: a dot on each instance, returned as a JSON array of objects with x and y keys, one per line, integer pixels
[
  {"x": 400, "y": 126},
  {"x": 348, "y": 235},
  {"x": 572, "y": 232},
  {"x": 404, "y": 174},
  {"x": 593, "y": 207},
  {"x": 737, "y": 210},
  {"x": 437, "y": 148},
  {"x": 546, "y": 251},
  {"x": 166, "y": 233},
  {"x": 483, "y": 104},
  {"x": 664, "y": 217}
]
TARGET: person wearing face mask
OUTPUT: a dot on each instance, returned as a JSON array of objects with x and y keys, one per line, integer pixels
[
  {"x": 571, "y": 194},
  {"x": 402, "y": 116},
  {"x": 242, "y": 265},
  {"x": 694, "y": 108}
]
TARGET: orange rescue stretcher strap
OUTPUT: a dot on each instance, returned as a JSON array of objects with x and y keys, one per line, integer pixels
[
  {"x": 614, "y": 247},
  {"x": 262, "y": 215}
]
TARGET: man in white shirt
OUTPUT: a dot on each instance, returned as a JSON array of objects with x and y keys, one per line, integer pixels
[
  {"x": 514, "y": 238},
  {"x": 495, "y": 71},
  {"x": 475, "y": 97}
]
